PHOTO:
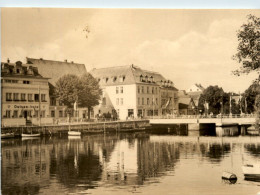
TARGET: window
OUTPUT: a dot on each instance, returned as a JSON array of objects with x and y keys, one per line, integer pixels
[
  {"x": 14, "y": 81},
  {"x": 117, "y": 101},
  {"x": 117, "y": 90},
  {"x": 106, "y": 80},
  {"x": 141, "y": 78},
  {"x": 148, "y": 90},
  {"x": 138, "y": 89},
  {"x": 36, "y": 97},
  {"x": 18, "y": 71},
  {"x": 152, "y": 90},
  {"x": 53, "y": 113},
  {"x": 122, "y": 78},
  {"x": 29, "y": 113},
  {"x": 30, "y": 97},
  {"x": 15, "y": 115},
  {"x": 155, "y": 90},
  {"x": 16, "y": 96},
  {"x": 142, "y": 101},
  {"x": 138, "y": 101},
  {"x": 121, "y": 90},
  {"x": 8, "y": 113},
  {"x": 121, "y": 101},
  {"x": 114, "y": 79},
  {"x": 148, "y": 101},
  {"x": 23, "y": 97},
  {"x": 8, "y": 96},
  {"x": 142, "y": 89},
  {"x": 43, "y": 113},
  {"x": 156, "y": 101},
  {"x": 43, "y": 97},
  {"x": 60, "y": 113},
  {"x": 8, "y": 81},
  {"x": 36, "y": 113},
  {"x": 26, "y": 82}
]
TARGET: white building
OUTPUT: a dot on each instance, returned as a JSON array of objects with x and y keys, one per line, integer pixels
[{"x": 129, "y": 91}]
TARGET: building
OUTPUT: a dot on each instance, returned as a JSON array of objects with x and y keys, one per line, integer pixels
[
  {"x": 25, "y": 94},
  {"x": 195, "y": 88},
  {"x": 55, "y": 70},
  {"x": 129, "y": 91}
]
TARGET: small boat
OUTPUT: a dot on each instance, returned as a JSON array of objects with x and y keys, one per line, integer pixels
[
  {"x": 74, "y": 133},
  {"x": 31, "y": 135},
  {"x": 7, "y": 135},
  {"x": 251, "y": 171}
]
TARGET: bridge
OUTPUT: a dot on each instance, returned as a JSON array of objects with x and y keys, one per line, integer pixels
[{"x": 218, "y": 120}]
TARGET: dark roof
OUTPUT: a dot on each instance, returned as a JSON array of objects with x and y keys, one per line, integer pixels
[
  {"x": 25, "y": 70},
  {"x": 131, "y": 74},
  {"x": 56, "y": 69}
]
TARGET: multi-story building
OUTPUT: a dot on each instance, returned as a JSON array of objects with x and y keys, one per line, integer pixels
[
  {"x": 25, "y": 94},
  {"x": 54, "y": 70},
  {"x": 129, "y": 91}
]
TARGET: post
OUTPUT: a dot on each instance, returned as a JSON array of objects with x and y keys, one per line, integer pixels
[{"x": 39, "y": 116}]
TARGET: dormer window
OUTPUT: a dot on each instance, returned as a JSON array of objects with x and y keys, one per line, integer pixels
[
  {"x": 18, "y": 71},
  {"x": 141, "y": 78},
  {"x": 146, "y": 78},
  {"x": 151, "y": 79},
  {"x": 122, "y": 79},
  {"x": 106, "y": 80},
  {"x": 114, "y": 79}
]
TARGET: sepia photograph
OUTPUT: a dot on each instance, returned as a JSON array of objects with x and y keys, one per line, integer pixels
[{"x": 124, "y": 100}]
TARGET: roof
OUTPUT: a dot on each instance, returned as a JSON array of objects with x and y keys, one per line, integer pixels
[
  {"x": 130, "y": 74},
  {"x": 56, "y": 69},
  {"x": 20, "y": 70}
]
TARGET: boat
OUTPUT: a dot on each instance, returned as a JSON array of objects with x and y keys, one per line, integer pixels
[
  {"x": 251, "y": 171},
  {"x": 31, "y": 135},
  {"x": 7, "y": 135},
  {"x": 74, "y": 133}
]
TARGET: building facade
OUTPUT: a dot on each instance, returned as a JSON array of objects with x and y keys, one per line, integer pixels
[
  {"x": 25, "y": 94},
  {"x": 54, "y": 70},
  {"x": 131, "y": 92}
]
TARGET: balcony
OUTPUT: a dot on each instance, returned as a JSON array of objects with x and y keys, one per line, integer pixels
[{"x": 9, "y": 100}]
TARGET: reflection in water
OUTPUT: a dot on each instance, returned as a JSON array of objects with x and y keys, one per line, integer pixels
[
  {"x": 227, "y": 131},
  {"x": 73, "y": 165}
]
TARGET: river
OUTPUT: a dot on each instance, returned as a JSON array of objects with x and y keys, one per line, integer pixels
[{"x": 127, "y": 163}]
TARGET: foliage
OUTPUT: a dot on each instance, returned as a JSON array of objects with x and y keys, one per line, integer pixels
[
  {"x": 67, "y": 89},
  {"x": 84, "y": 90},
  {"x": 249, "y": 46},
  {"x": 215, "y": 97},
  {"x": 90, "y": 92},
  {"x": 249, "y": 97}
]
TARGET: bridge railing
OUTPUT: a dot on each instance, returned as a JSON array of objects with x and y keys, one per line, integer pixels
[{"x": 202, "y": 116}]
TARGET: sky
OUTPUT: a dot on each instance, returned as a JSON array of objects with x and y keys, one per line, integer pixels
[{"x": 186, "y": 46}]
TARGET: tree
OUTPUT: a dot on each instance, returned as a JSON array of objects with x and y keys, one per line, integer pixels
[
  {"x": 90, "y": 92},
  {"x": 67, "y": 90},
  {"x": 248, "y": 100},
  {"x": 216, "y": 98},
  {"x": 249, "y": 46}
]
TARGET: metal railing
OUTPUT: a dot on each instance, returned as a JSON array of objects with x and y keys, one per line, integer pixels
[{"x": 202, "y": 116}]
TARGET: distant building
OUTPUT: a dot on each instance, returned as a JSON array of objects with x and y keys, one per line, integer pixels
[
  {"x": 189, "y": 99},
  {"x": 129, "y": 91},
  {"x": 55, "y": 70},
  {"x": 195, "y": 88},
  {"x": 25, "y": 94}
]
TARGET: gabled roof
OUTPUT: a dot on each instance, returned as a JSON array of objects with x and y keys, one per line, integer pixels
[
  {"x": 56, "y": 69},
  {"x": 131, "y": 75}
]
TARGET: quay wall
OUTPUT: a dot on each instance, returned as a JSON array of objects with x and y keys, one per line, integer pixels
[{"x": 98, "y": 127}]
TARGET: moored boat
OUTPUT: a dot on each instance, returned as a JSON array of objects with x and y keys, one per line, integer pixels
[
  {"x": 31, "y": 135},
  {"x": 7, "y": 135},
  {"x": 74, "y": 133}
]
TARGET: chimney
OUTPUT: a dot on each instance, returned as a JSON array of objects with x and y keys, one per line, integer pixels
[
  {"x": 8, "y": 61},
  {"x": 65, "y": 60},
  {"x": 72, "y": 62}
]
